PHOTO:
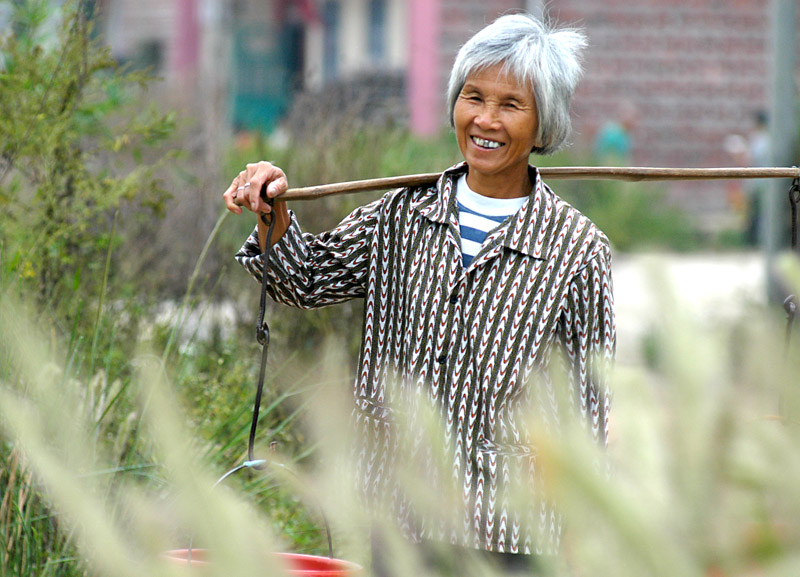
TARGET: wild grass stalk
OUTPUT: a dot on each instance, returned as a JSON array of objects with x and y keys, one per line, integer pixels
[
  {"x": 701, "y": 484},
  {"x": 102, "y": 297}
]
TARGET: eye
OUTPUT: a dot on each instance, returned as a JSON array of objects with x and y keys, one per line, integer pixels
[{"x": 471, "y": 96}]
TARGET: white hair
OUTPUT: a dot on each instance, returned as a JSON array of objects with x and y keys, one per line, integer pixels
[{"x": 541, "y": 57}]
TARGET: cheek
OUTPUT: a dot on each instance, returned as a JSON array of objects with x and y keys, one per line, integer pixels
[
  {"x": 460, "y": 122},
  {"x": 459, "y": 116},
  {"x": 525, "y": 132}
]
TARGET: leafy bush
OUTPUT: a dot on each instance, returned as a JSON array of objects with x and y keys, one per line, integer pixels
[{"x": 76, "y": 148}]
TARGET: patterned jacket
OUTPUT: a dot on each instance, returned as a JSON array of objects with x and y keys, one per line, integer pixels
[{"x": 481, "y": 347}]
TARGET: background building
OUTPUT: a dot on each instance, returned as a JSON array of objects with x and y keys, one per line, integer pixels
[{"x": 696, "y": 71}]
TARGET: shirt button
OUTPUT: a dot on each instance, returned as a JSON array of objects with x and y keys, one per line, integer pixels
[
  {"x": 441, "y": 359},
  {"x": 454, "y": 299}
]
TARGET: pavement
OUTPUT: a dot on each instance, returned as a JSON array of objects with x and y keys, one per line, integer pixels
[{"x": 710, "y": 289}]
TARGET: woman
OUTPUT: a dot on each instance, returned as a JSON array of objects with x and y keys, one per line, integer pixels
[{"x": 474, "y": 288}]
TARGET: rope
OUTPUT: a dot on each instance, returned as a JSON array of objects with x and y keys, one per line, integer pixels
[
  {"x": 631, "y": 174},
  {"x": 790, "y": 304},
  {"x": 262, "y": 336},
  {"x": 794, "y": 199}
]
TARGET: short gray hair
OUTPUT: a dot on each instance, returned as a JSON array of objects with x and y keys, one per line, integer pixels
[{"x": 537, "y": 55}]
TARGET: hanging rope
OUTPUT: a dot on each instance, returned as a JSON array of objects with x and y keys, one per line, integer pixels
[
  {"x": 790, "y": 304},
  {"x": 262, "y": 336}
]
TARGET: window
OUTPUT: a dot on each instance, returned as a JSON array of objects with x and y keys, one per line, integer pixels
[
  {"x": 331, "y": 17},
  {"x": 377, "y": 31}
]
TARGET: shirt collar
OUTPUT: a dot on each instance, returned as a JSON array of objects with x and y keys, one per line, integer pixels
[
  {"x": 440, "y": 207},
  {"x": 525, "y": 232},
  {"x": 528, "y": 231}
]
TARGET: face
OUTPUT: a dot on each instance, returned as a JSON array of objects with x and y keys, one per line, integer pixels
[{"x": 495, "y": 121}]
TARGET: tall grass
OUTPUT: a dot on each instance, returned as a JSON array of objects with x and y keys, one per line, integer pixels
[
  {"x": 703, "y": 455},
  {"x": 113, "y": 433}
]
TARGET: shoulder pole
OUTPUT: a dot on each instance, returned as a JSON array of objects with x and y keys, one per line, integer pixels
[{"x": 630, "y": 174}]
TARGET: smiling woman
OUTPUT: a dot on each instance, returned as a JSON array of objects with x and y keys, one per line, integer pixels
[
  {"x": 496, "y": 123},
  {"x": 488, "y": 307}
]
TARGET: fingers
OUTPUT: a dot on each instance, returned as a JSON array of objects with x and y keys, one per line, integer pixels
[
  {"x": 253, "y": 186},
  {"x": 230, "y": 197},
  {"x": 267, "y": 180}
]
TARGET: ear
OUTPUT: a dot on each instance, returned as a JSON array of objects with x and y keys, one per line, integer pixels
[{"x": 537, "y": 144}]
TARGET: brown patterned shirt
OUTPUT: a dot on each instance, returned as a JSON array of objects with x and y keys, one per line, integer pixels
[{"x": 481, "y": 347}]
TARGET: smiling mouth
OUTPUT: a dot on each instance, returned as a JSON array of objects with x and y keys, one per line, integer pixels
[{"x": 484, "y": 143}]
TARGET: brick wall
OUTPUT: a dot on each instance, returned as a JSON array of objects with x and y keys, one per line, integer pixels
[{"x": 696, "y": 71}]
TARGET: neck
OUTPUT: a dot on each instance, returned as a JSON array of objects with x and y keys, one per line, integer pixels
[{"x": 500, "y": 186}]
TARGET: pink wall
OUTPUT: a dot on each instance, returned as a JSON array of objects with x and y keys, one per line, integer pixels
[
  {"x": 187, "y": 37},
  {"x": 424, "y": 88}
]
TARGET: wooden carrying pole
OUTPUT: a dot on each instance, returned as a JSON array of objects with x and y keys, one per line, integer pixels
[{"x": 631, "y": 174}]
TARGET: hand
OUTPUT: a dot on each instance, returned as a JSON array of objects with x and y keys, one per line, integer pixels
[{"x": 245, "y": 190}]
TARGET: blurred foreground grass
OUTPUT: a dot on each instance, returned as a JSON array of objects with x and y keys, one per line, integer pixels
[
  {"x": 705, "y": 461},
  {"x": 115, "y": 426}
]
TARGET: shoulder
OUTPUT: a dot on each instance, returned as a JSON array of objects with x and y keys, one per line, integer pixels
[
  {"x": 582, "y": 234},
  {"x": 409, "y": 200}
]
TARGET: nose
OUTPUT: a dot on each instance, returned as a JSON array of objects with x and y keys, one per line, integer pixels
[{"x": 487, "y": 116}]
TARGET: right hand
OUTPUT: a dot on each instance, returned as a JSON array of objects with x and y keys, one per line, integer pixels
[{"x": 245, "y": 190}]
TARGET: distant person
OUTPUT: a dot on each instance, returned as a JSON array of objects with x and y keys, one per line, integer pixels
[
  {"x": 758, "y": 154},
  {"x": 614, "y": 141},
  {"x": 736, "y": 147}
]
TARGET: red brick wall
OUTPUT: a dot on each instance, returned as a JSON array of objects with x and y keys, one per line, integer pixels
[{"x": 696, "y": 70}]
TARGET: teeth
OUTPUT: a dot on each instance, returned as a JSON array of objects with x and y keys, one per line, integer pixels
[{"x": 486, "y": 143}]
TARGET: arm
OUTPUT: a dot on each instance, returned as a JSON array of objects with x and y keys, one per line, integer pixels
[
  {"x": 309, "y": 271},
  {"x": 304, "y": 271},
  {"x": 589, "y": 334}
]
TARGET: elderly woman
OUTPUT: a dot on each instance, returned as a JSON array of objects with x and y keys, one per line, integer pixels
[{"x": 480, "y": 290}]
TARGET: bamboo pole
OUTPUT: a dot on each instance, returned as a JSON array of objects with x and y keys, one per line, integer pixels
[{"x": 630, "y": 174}]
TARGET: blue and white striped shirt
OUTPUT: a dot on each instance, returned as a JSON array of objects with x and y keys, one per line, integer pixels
[{"x": 478, "y": 215}]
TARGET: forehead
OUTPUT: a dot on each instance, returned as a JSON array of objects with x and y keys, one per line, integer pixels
[{"x": 497, "y": 78}]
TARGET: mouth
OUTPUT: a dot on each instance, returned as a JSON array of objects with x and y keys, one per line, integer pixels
[{"x": 486, "y": 143}]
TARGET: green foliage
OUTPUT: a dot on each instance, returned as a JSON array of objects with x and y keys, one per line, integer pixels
[
  {"x": 27, "y": 537},
  {"x": 635, "y": 217},
  {"x": 77, "y": 146}
]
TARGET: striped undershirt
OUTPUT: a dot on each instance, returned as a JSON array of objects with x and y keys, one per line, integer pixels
[{"x": 478, "y": 215}]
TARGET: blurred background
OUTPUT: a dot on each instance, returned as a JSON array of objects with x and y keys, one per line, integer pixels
[
  {"x": 678, "y": 78},
  {"x": 123, "y": 121}
]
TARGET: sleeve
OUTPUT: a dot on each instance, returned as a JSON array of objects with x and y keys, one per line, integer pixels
[
  {"x": 590, "y": 340},
  {"x": 310, "y": 271}
]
